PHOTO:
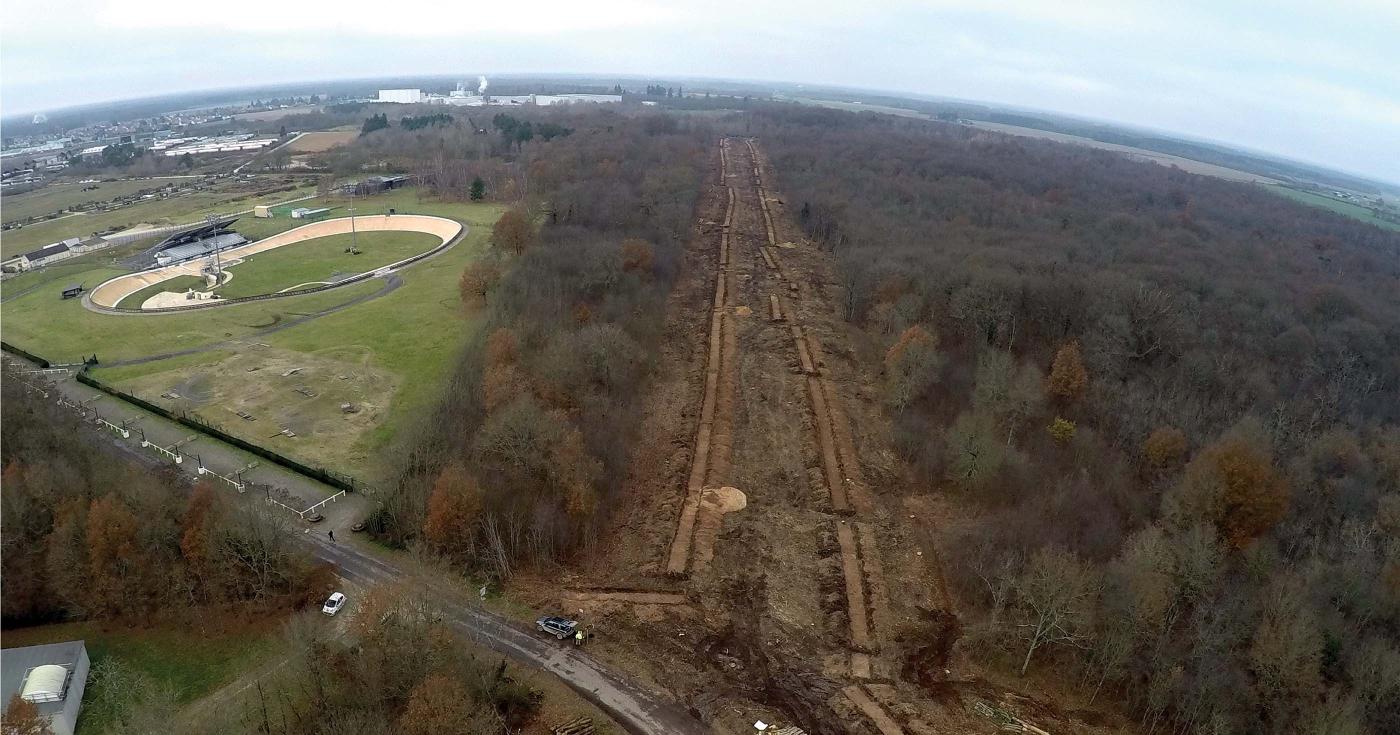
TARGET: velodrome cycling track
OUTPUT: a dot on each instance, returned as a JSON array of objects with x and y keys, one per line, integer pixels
[{"x": 105, "y": 297}]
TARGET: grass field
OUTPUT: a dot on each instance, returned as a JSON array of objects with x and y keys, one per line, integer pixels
[
  {"x": 1354, "y": 211},
  {"x": 191, "y": 661},
  {"x": 179, "y": 284},
  {"x": 58, "y": 197},
  {"x": 176, "y": 210},
  {"x": 320, "y": 260}
]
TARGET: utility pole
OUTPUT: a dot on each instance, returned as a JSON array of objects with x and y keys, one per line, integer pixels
[{"x": 354, "y": 244}]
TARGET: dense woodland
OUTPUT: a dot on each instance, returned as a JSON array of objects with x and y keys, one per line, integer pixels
[
  {"x": 93, "y": 533},
  {"x": 1167, "y": 407},
  {"x": 522, "y": 457}
]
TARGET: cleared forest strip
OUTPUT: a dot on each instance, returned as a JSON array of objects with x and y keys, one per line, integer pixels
[
  {"x": 867, "y": 594},
  {"x": 713, "y": 404}
]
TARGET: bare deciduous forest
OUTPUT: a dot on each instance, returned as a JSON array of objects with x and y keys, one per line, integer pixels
[
  {"x": 92, "y": 533},
  {"x": 1164, "y": 405},
  {"x": 521, "y": 458}
]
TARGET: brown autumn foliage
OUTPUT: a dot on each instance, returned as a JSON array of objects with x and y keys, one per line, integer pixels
[
  {"x": 453, "y": 508},
  {"x": 439, "y": 705},
  {"x": 513, "y": 232},
  {"x": 1239, "y": 489},
  {"x": 1068, "y": 377},
  {"x": 478, "y": 279},
  {"x": 22, "y": 718},
  {"x": 91, "y": 533},
  {"x": 1164, "y": 447},
  {"x": 638, "y": 256}
]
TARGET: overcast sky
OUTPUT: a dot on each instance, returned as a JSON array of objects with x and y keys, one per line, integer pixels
[{"x": 1317, "y": 81}]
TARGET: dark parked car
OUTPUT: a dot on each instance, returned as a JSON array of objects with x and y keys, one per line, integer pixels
[{"x": 558, "y": 627}]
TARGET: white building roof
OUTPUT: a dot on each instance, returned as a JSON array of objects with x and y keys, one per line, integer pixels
[{"x": 45, "y": 684}]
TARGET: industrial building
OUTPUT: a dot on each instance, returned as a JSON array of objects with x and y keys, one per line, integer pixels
[
  {"x": 216, "y": 144},
  {"x": 52, "y": 677},
  {"x": 401, "y": 96}
]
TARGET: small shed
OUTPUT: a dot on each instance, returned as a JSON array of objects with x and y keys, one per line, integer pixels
[
  {"x": 73, "y": 291},
  {"x": 262, "y": 210}
]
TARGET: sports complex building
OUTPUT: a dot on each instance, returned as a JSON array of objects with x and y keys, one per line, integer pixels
[{"x": 198, "y": 242}]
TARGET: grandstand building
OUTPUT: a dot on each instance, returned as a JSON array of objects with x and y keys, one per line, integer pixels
[{"x": 198, "y": 242}]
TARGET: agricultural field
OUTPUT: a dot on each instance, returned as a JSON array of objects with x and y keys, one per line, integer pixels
[
  {"x": 235, "y": 196},
  {"x": 386, "y": 350},
  {"x": 58, "y": 197},
  {"x": 321, "y": 141},
  {"x": 1355, "y": 211}
]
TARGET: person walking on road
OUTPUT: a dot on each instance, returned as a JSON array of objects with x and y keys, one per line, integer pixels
[{"x": 331, "y": 533}]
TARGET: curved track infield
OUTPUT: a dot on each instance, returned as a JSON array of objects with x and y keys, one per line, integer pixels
[{"x": 109, "y": 293}]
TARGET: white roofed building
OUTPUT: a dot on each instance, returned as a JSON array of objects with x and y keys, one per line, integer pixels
[{"x": 401, "y": 96}]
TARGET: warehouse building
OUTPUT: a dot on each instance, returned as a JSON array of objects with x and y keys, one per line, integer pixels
[
  {"x": 51, "y": 677},
  {"x": 401, "y": 96}
]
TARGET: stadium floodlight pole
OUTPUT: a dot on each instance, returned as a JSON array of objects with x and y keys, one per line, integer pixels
[
  {"x": 354, "y": 244},
  {"x": 213, "y": 220}
]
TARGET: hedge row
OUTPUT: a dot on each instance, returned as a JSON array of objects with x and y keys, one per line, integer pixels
[{"x": 41, "y": 362}]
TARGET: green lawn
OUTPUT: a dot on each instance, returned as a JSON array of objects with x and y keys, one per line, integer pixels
[
  {"x": 58, "y": 197},
  {"x": 178, "y": 284},
  {"x": 1354, "y": 211},
  {"x": 176, "y": 210},
  {"x": 63, "y": 331},
  {"x": 192, "y": 661},
  {"x": 319, "y": 259}
]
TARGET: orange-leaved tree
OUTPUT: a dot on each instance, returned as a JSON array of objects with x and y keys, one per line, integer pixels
[
  {"x": 1234, "y": 485},
  {"x": 453, "y": 507},
  {"x": 513, "y": 232},
  {"x": 1068, "y": 377}
]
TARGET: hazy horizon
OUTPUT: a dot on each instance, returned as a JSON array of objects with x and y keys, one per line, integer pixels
[{"x": 1313, "y": 84}]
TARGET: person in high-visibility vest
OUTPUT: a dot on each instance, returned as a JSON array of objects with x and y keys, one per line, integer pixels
[{"x": 578, "y": 638}]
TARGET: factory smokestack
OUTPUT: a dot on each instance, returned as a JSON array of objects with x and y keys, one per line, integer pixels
[{"x": 481, "y": 86}]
